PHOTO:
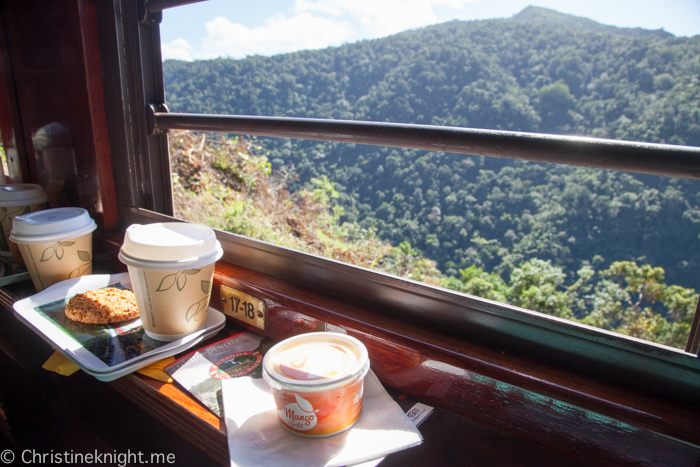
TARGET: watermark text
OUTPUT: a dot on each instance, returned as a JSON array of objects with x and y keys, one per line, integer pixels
[{"x": 122, "y": 459}]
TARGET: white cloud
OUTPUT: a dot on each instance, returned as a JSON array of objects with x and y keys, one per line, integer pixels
[
  {"x": 316, "y": 24},
  {"x": 385, "y": 17},
  {"x": 279, "y": 35},
  {"x": 179, "y": 49}
]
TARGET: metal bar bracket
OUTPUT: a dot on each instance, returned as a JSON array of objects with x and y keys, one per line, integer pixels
[{"x": 151, "y": 110}]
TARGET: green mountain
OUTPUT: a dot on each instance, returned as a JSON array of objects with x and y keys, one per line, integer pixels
[
  {"x": 539, "y": 71},
  {"x": 542, "y": 16}
]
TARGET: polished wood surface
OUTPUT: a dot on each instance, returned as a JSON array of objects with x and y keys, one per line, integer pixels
[
  {"x": 96, "y": 161},
  {"x": 53, "y": 76},
  {"x": 449, "y": 439},
  {"x": 138, "y": 413},
  {"x": 178, "y": 412},
  {"x": 175, "y": 393},
  {"x": 589, "y": 420},
  {"x": 10, "y": 126}
]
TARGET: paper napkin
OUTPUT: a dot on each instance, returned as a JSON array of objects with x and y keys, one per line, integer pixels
[
  {"x": 256, "y": 438},
  {"x": 60, "y": 364}
]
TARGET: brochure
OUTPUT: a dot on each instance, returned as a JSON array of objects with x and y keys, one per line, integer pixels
[{"x": 202, "y": 371}]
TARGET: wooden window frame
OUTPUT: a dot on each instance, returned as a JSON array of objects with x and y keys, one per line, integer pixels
[
  {"x": 551, "y": 345},
  {"x": 155, "y": 191}
]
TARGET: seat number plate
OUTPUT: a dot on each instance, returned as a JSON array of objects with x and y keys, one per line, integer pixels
[{"x": 244, "y": 307}]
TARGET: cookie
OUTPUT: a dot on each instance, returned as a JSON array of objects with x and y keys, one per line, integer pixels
[{"x": 102, "y": 306}]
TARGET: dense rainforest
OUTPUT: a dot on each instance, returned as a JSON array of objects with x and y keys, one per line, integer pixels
[
  {"x": 228, "y": 183},
  {"x": 539, "y": 71}
]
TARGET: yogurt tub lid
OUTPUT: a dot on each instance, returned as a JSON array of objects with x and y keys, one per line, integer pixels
[
  {"x": 22, "y": 194},
  {"x": 316, "y": 360},
  {"x": 51, "y": 225},
  {"x": 169, "y": 246}
]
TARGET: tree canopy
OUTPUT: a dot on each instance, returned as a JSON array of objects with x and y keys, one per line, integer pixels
[
  {"x": 539, "y": 71},
  {"x": 227, "y": 183}
]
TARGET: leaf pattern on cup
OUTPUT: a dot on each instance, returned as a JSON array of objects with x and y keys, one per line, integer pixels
[
  {"x": 5, "y": 213},
  {"x": 56, "y": 250},
  {"x": 6, "y": 217},
  {"x": 193, "y": 312},
  {"x": 8, "y": 214},
  {"x": 178, "y": 279},
  {"x": 83, "y": 268}
]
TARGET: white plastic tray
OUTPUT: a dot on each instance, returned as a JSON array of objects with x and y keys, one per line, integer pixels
[
  {"x": 106, "y": 351},
  {"x": 111, "y": 376}
]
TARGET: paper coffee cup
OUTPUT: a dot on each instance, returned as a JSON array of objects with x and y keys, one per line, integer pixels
[
  {"x": 171, "y": 266},
  {"x": 17, "y": 200},
  {"x": 56, "y": 244}
]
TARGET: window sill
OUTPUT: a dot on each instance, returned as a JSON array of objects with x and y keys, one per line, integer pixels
[
  {"x": 556, "y": 402},
  {"x": 562, "y": 409}
]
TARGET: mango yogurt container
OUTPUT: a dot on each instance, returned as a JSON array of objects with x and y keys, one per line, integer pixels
[{"x": 317, "y": 380}]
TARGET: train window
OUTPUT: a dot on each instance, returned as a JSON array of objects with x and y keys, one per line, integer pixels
[
  {"x": 229, "y": 172},
  {"x": 543, "y": 237}
]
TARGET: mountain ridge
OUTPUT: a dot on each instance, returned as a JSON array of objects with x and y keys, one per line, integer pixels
[
  {"x": 497, "y": 74},
  {"x": 540, "y": 15},
  {"x": 531, "y": 15}
]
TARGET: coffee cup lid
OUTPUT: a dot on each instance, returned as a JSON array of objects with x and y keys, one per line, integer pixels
[
  {"x": 51, "y": 225},
  {"x": 169, "y": 246},
  {"x": 22, "y": 194}
]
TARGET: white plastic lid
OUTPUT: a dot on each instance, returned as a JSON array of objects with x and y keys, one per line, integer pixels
[
  {"x": 22, "y": 194},
  {"x": 169, "y": 246},
  {"x": 51, "y": 225}
]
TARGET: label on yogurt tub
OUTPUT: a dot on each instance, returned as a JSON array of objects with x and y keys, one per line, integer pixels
[
  {"x": 311, "y": 361},
  {"x": 299, "y": 415}
]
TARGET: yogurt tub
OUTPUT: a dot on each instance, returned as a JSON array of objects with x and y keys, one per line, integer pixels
[{"x": 317, "y": 380}]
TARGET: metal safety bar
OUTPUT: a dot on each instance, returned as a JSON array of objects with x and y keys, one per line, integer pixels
[{"x": 647, "y": 158}]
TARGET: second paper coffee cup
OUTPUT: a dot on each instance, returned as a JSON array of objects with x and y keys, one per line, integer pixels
[
  {"x": 56, "y": 244},
  {"x": 171, "y": 266},
  {"x": 17, "y": 200}
]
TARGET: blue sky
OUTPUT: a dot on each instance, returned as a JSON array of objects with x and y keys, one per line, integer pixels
[{"x": 236, "y": 29}]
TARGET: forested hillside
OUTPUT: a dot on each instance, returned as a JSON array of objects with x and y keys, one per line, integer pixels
[
  {"x": 539, "y": 71},
  {"x": 228, "y": 184}
]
